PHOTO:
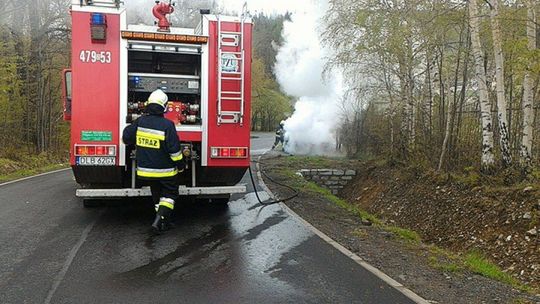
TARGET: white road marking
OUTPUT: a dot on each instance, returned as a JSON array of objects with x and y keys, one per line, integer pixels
[
  {"x": 381, "y": 275},
  {"x": 258, "y": 152},
  {"x": 29, "y": 177},
  {"x": 71, "y": 256}
]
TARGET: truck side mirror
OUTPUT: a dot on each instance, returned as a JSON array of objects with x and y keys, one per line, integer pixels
[{"x": 66, "y": 93}]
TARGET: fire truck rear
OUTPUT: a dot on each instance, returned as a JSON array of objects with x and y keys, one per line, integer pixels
[{"x": 115, "y": 66}]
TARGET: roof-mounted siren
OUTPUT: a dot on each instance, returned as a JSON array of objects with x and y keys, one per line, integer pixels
[{"x": 160, "y": 11}]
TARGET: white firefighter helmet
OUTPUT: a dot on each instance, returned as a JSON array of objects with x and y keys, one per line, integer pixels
[
  {"x": 282, "y": 123},
  {"x": 159, "y": 97}
]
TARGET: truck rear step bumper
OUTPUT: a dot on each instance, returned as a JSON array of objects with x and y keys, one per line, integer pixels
[{"x": 145, "y": 191}]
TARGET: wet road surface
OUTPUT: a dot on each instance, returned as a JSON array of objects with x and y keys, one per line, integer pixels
[{"x": 55, "y": 251}]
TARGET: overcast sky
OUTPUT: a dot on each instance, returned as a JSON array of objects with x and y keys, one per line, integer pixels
[
  {"x": 143, "y": 8},
  {"x": 267, "y": 6}
]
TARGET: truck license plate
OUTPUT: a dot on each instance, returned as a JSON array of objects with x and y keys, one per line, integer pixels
[{"x": 95, "y": 161}]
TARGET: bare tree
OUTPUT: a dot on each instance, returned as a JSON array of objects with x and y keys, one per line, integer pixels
[
  {"x": 488, "y": 159},
  {"x": 500, "y": 85},
  {"x": 528, "y": 88},
  {"x": 451, "y": 104}
]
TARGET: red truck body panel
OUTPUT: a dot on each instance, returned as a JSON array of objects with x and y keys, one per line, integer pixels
[
  {"x": 103, "y": 94},
  {"x": 228, "y": 135},
  {"x": 95, "y": 85}
]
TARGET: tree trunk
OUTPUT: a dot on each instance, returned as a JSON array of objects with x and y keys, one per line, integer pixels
[
  {"x": 485, "y": 106},
  {"x": 407, "y": 122},
  {"x": 499, "y": 76},
  {"x": 463, "y": 95},
  {"x": 441, "y": 94},
  {"x": 412, "y": 113},
  {"x": 528, "y": 94},
  {"x": 452, "y": 105},
  {"x": 391, "y": 111},
  {"x": 449, "y": 119},
  {"x": 391, "y": 137},
  {"x": 428, "y": 103}
]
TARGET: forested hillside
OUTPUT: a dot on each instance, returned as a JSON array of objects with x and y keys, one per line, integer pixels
[
  {"x": 33, "y": 51},
  {"x": 448, "y": 85}
]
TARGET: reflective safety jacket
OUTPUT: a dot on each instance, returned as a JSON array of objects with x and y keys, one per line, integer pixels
[
  {"x": 158, "y": 145},
  {"x": 280, "y": 132}
]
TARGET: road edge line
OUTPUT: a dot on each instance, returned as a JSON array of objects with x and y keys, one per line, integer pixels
[
  {"x": 29, "y": 177},
  {"x": 378, "y": 273}
]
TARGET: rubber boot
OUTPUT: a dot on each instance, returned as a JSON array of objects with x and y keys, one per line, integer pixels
[{"x": 162, "y": 220}]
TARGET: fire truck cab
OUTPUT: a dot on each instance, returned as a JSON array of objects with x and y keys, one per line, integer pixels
[{"x": 206, "y": 73}]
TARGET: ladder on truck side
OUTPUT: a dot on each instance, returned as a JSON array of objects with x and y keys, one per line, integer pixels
[{"x": 231, "y": 53}]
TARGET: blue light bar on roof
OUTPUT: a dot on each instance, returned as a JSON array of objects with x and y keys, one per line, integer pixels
[
  {"x": 98, "y": 27},
  {"x": 98, "y": 19}
]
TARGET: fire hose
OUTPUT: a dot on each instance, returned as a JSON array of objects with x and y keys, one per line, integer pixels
[{"x": 270, "y": 202}]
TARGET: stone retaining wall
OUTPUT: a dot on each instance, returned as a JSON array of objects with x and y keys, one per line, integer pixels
[{"x": 331, "y": 179}]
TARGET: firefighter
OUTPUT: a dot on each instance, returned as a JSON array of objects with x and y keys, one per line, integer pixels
[
  {"x": 280, "y": 135},
  {"x": 159, "y": 156}
]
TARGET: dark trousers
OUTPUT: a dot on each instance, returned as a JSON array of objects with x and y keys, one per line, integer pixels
[
  {"x": 279, "y": 139},
  {"x": 167, "y": 188}
]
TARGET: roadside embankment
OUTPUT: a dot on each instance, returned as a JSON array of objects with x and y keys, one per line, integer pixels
[
  {"x": 501, "y": 222},
  {"x": 440, "y": 238},
  {"x": 24, "y": 165}
]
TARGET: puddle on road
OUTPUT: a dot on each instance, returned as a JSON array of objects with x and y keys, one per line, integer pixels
[{"x": 242, "y": 244}]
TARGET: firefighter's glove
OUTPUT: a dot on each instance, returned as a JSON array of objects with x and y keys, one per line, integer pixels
[{"x": 183, "y": 164}]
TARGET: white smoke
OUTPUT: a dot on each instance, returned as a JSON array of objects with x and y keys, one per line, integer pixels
[{"x": 299, "y": 70}]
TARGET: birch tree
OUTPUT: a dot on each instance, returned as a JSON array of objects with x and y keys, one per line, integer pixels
[
  {"x": 488, "y": 159},
  {"x": 421, "y": 70},
  {"x": 446, "y": 134},
  {"x": 528, "y": 87},
  {"x": 500, "y": 85}
]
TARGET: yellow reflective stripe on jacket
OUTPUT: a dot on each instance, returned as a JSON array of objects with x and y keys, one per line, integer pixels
[
  {"x": 156, "y": 174},
  {"x": 153, "y": 131},
  {"x": 149, "y": 138},
  {"x": 147, "y": 172},
  {"x": 177, "y": 156},
  {"x": 152, "y": 143},
  {"x": 150, "y": 135}
]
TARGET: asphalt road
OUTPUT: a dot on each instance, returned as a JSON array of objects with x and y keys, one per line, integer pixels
[{"x": 55, "y": 251}]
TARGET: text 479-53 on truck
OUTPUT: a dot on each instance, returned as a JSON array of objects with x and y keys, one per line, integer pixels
[{"x": 205, "y": 72}]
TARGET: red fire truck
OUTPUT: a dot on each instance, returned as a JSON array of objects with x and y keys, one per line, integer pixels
[{"x": 205, "y": 72}]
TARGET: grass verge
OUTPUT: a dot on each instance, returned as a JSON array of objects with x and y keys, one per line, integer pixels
[
  {"x": 21, "y": 173},
  {"x": 447, "y": 266},
  {"x": 477, "y": 263}
]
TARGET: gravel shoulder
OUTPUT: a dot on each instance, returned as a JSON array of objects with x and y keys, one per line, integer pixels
[{"x": 423, "y": 268}]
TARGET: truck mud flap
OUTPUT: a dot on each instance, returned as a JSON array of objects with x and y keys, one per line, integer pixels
[{"x": 145, "y": 191}]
